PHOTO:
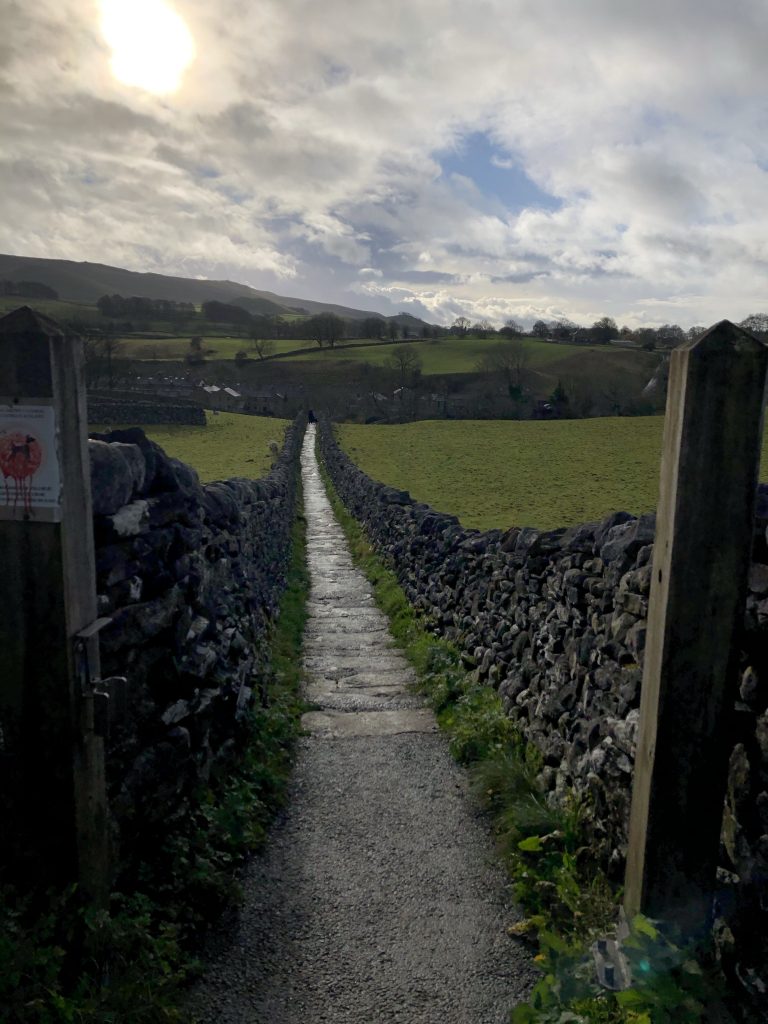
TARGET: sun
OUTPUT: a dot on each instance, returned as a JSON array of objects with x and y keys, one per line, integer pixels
[{"x": 151, "y": 44}]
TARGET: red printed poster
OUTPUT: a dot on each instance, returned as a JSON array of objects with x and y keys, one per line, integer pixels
[{"x": 30, "y": 483}]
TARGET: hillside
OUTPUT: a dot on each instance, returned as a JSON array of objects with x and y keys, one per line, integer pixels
[{"x": 86, "y": 282}]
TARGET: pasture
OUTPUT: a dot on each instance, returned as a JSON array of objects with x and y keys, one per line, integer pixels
[
  {"x": 57, "y": 309},
  {"x": 601, "y": 376},
  {"x": 215, "y": 347},
  {"x": 230, "y": 445},
  {"x": 448, "y": 355},
  {"x": 518, "y": 473}
]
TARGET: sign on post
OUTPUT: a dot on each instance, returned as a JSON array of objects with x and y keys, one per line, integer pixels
[
  {"x": 710, "y": 463},
  {"x": 29, "y": 462}
]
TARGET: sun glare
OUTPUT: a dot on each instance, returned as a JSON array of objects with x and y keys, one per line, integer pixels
[{"x": 151, "y": 44}]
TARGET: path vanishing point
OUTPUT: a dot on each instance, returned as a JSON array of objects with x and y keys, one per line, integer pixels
[{"x": 378, "y": 898}]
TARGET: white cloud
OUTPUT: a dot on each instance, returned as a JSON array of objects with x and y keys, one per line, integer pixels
[{"x": 302, "y": 144}]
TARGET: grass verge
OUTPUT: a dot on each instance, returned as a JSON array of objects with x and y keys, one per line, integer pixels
[
  {"x": 63, "y": 963},
  {"x": 568, "y": 900}
]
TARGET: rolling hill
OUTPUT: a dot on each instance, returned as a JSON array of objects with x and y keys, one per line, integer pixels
[{"x": 86, "y": 282}]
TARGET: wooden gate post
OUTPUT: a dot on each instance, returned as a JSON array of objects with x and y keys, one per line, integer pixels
[
  {"x": 49, "y": 748},
  {"x": 710, "y": 462}
]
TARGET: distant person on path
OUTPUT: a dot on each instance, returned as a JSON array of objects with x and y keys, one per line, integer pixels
[{"x": 311, "y": 418}]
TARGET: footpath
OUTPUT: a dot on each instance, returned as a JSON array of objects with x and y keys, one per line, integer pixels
[{"x": 378, "y": 898}]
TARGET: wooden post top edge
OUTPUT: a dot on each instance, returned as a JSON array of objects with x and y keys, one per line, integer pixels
[
  {"x": 722, "y": 336},
  {"x": 26, "y": 321}
]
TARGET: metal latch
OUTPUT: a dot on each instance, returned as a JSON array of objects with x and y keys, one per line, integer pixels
[{"x": 109, "y": 696}]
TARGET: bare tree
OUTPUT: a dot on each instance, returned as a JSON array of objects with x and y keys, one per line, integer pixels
[
  {"x": 507, "y": 361},
  {"x": 406, "y": 363},
  {"x": 482, "y": 329},
  {"x": 101, "y": 355},
  {"x": 264, "y": 347},
  {"x": 325, "y": 327}
]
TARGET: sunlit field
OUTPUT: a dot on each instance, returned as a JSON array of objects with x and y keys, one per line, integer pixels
[
  {"x": 461, "y": 355},
  {"x": 214, "y": 347},
  {"x": 449, "y": 355},
  {"x": 230, "y": 445},
  {"x": 518, "y": 473}
]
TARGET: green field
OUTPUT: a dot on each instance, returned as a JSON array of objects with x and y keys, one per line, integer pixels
[
  {"x": 518, "y": 473},
  {"x": 230, "y": 445},
  {"x": 57, "y": 309},
  {"x": 215, "y": 347},
  {"x": 449, "y": 355},
  {"x": 453, "y": 355}
]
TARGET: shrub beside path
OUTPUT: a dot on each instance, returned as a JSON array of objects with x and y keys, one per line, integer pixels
[{"x": 378, "y": 898}]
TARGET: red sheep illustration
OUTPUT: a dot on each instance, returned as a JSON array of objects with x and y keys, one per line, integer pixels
[{"x": 20, "y": 458}]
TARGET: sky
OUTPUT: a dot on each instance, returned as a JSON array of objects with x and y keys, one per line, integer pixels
[{"x": 485, "y": 158}]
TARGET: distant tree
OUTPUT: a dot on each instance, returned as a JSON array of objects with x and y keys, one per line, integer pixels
[
  {"x": 461, "y": 326},
  {"x": 222, "y": 312},
  {"x": 325, "y": 329},
  {"x": 693, "y": 333},
  {"x": 604, "y": 330},
  {"x": 670, "y": 335},
  {"x": 756, "y": 323},
  {"x": 563, "y": 330},
  {"x": 28, "y": 289},
  {"x": 482, "y": 329},
  {"x": 511, "y": 329},
  {"x": 241, "y": 357},
  {"x": 540, "y": 329},
  {"x": 393, "y": 330},
  {"x": 102, "y": 350},
  {"x": 406, "y": 362},
  {"x": 373, "y": 327},
  {"x": 264, "y": 347},
  {"x": 116, "y": 306},
  {"x": 508, "y": 361},
  {"x": 646, "y": 338},
  {"x": 559, "y": 400},
  {"x": 196, "y": 355}
]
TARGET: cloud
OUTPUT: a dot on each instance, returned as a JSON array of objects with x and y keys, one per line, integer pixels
[{"x": 306, "y": 143}]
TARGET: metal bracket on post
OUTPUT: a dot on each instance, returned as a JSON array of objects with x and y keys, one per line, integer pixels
[{"x": 97, "y": 691}]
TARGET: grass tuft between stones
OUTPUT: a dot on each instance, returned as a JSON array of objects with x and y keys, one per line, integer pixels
[{"x": 568, "y": 900}]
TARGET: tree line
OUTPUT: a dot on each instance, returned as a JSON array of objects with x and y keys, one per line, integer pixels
[
  {"x": 28, "y": 289},
  {"x": 601, "y": 332},
  {"x": 118, "y": 307}
]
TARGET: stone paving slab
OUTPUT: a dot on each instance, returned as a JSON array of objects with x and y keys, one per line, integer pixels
[{"x": 330, "y": 724}]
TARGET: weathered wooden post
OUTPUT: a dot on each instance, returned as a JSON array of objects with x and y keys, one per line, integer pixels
[
  {"x": 50, "y": 750},
  {"x": 710, "y": 462}
]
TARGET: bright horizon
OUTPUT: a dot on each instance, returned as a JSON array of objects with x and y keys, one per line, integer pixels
[{"x": 498, "y": 161}]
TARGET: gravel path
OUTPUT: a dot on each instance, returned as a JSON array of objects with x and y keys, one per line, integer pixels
[{"x": 378, "y": 898}]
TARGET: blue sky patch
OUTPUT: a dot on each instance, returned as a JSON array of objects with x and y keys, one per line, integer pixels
[{"x": 495, "y": 173}]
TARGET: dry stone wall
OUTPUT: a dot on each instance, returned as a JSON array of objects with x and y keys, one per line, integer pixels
[
  {"x": 105, "y": 409},
  {"x": 555, "y": 621},
  {"x": 191, "y": 576}
]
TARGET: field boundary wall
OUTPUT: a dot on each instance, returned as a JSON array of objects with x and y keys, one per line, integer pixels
[
  {"x": 119, "y": 412},
  {"x": 191, "y": 576},
  {"x": 555, "y": 621}
]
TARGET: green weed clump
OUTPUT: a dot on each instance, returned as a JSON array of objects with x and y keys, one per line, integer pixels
[
  {"x": 568, "y": 900},
  {"x": 62, "y": 962}
]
